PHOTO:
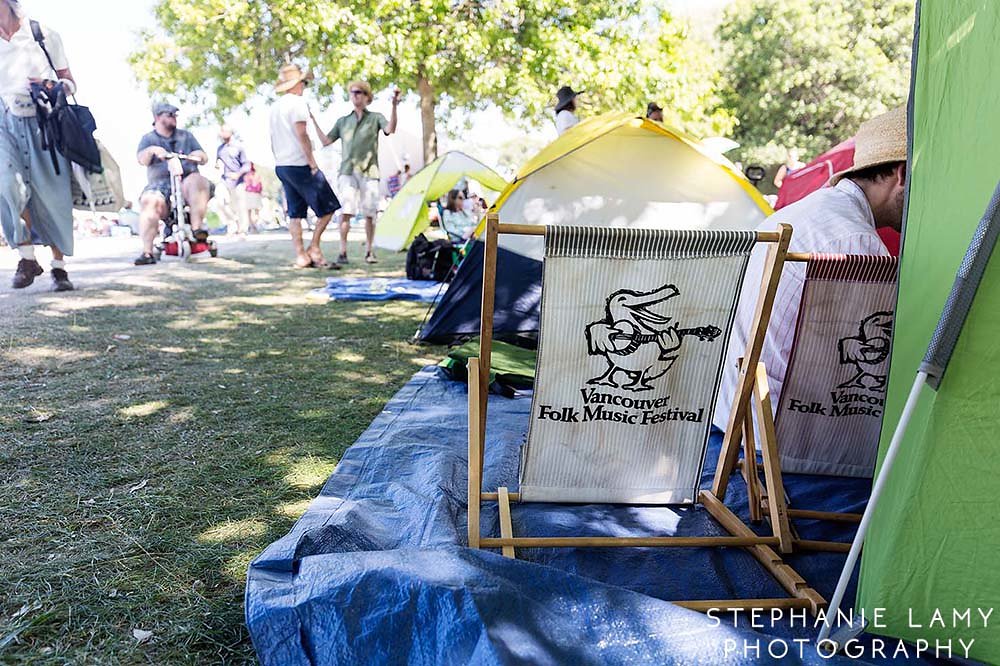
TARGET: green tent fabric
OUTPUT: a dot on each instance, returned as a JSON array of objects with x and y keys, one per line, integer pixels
[
  {"x": 511, "y": 367},
  {"x": 934, "y": 542},
  {"x": 406, "y": 215}
]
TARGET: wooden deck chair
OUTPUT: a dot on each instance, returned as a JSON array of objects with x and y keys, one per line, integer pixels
[
  {"x": 829, "y": 417},
  {"x": 633, "y": 331}
]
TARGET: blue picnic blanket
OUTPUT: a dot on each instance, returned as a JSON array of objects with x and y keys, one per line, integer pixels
[
  {"x": 379, "y": 289},
  {"x": 376, "y": 571}
]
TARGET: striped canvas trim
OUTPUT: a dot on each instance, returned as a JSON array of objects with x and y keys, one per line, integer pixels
[
  {"x": 627, "y": 243},
  {"x": 852, "y": 268}
]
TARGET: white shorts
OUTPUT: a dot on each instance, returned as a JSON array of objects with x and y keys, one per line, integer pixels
[{"x": 358, "y": 194}]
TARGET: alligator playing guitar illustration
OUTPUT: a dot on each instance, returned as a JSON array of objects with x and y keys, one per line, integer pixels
[{"x": 637, "y": 341}]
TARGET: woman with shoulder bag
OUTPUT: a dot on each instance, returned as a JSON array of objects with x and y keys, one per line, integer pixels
[{"x": 36, "y": 202}]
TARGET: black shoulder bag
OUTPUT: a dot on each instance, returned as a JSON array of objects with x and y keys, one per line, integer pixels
[{"x": 68, "y": 128}]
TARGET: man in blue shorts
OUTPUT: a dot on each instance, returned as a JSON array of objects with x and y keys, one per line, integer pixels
[
  {"x": 304, "y": 184},
  {"x": 155, "y": 201}
]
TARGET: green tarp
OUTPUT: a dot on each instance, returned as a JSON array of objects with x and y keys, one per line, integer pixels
[
  {"x": 406, "y": 215},
  {"x": 934, "y": 543}
]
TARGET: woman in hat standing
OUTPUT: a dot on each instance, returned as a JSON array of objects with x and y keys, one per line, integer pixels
[
  {"x": 35, "y": 201},
  {"x": 566, "y": 108}
]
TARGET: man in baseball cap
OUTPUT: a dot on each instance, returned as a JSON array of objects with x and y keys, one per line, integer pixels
[
  {"x": 161, "y": 108},
  {"x": 155, "y": 200}
]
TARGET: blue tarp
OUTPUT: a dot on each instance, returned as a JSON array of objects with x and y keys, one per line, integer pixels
[
  {"x": 376, "y": 572},
  {"x": 379, "y": 289},
  {"x": 518, "y": 297}
]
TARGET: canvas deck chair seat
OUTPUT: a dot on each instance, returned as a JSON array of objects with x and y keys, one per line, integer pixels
[
  {"x": 829, "y": 415},
  {"x": 634, "y": 325}
]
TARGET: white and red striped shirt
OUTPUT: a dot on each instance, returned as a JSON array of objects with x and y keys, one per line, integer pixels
[{"x": 835, "y": 220}]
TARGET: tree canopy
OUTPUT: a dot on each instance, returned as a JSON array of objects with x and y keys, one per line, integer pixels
[
  {"x": 806, "y": 73},
  {"x": 455, "y": 54}
]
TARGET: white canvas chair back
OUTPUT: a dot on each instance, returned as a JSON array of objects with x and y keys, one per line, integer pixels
[
  {"x": 830, "y": 413},
  {"x": 634, "y": 324}
]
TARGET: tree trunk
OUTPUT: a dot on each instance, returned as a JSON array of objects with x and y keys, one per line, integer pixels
[{"x": 427, "y": 119}]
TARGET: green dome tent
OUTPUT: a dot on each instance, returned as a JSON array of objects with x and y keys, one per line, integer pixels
[
  {"x": 930, "y": 559},
  {"x": 406, "y": 216}
]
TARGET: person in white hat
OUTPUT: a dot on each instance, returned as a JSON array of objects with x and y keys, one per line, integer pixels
[
  {"x": 304, "y": 184},
  {"x": 840, "y": 219}
]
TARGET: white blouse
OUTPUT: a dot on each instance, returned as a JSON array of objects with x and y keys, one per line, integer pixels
[
  {"x": 836, "y": 220},
  {"x": 23, "y": 59}
]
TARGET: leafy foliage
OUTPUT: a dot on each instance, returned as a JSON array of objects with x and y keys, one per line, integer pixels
[
  {"x": 467, "y": 53},
  {"x": 806, "y": 73}
]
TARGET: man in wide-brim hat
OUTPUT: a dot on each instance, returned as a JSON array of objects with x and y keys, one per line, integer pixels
[
  {"x": 304, "y": 184},
  {"x": 840, "y": 219},
  {"x": 290, "y": 76},
  {"x": 566, "y": 108}
]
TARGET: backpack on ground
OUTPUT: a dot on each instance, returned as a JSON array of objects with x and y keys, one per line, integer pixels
[{"x": 429, "y": 260}]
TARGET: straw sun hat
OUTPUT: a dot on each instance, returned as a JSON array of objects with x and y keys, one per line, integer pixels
[
  {"x": 879, "y": 140},
  {"x": 289, "y": 76}
]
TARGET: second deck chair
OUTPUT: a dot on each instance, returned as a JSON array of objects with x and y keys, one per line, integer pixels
[
  {"x": 633, "y": 331},
  {"x": 829, "y": 415}
]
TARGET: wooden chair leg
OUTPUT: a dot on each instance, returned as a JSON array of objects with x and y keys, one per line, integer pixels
[
  {"x": 475, "y": 454},
  {"x": 750, "y": 468},
  {"x": 506, "y": 528},
  {"x": 762, "y": 315},
  {"x": 777, "y": 508},
  {"x": 789, "y": 579}
]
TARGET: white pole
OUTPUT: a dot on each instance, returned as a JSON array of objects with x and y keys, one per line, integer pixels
[{"x": 859, "y": 538}]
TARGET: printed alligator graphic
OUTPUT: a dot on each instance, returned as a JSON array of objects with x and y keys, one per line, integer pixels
[
  {"x": 866, "y": 351},
  {"x": 636, "y": 341}
]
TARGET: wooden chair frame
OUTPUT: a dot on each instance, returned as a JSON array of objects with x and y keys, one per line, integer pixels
[
  {"x": 761, "y": 547},
  {"x": 758, "y": 491}
]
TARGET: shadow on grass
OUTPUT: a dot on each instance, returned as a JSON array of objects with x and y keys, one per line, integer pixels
[{"x": 159, "y": 434}]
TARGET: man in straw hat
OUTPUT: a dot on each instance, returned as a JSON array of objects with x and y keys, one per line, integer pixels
[
  {"x": 358, "y": 181},
  {"x": 840, "y": 219},
  {"x": 304, "y": 184}
]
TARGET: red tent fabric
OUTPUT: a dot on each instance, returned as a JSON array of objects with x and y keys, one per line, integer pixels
[{"x": 815, "y": 175}]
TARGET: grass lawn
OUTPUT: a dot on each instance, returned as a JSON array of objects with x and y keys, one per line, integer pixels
[{"x": 160, "y": 427}]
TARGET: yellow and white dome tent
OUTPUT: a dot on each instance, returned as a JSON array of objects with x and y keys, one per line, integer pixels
[
  {"x": 610, "y": 170},
  {"x": 406, "y": 215}
]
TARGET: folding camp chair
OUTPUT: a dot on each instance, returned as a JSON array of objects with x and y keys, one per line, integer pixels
[
  {"x": 829, "y": 416},
  {"x": 632, "y": 338}
]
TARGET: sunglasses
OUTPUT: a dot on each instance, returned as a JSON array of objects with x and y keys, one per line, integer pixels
[
  {"x": 169, "y": 114},
  {"x": 358, "y": 92}
]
